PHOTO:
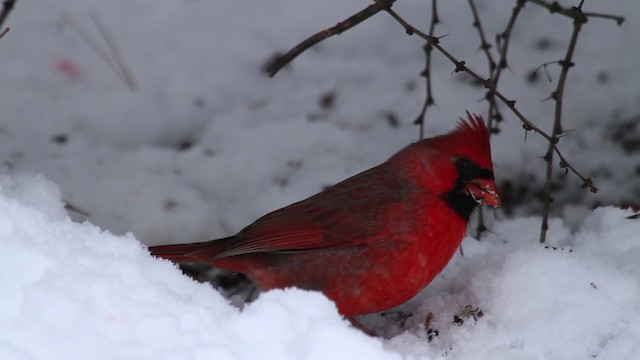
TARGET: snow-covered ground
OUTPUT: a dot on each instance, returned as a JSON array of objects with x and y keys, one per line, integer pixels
[
  {"x": 205, "y": 143},
  {"x": 74, "y": 291}
]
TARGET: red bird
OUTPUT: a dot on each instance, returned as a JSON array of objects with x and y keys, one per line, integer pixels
[{"x": 374, "y": 240}]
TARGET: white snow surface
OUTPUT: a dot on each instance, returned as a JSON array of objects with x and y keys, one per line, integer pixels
[
  {"x": 206, "y": 143},
  {"x": 74, "y": 291}
]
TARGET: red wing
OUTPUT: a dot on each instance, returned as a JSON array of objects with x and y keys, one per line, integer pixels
[
  {"x": 190, "y": 253},
  {"x": 346, "y": 214}
]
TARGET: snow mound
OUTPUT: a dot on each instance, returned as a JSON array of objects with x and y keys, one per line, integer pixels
[{"x": 74, "y": 291}]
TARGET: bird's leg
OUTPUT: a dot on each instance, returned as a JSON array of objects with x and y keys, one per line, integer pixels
[{"x": 356, "y": 324}]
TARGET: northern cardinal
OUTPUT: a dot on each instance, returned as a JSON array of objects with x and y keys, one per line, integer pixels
[{"x": 374, "y": 240}]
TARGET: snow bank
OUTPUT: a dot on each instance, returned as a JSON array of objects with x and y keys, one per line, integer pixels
[
  {"x": 73, "y": 291},
  {"x": 576, "y": 298}
]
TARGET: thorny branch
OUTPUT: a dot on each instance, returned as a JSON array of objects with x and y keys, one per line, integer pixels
[
  {"x": 555, "y": 7},
  {"x": 490, "y": 84},
  {"x": 428, "y": 51},
  {"x": 460, "y": 66},
  {"x": 526, "y": 124},
  {"x": 578, "y": 20},
  {"x": 495, "y": 70},
  {"x": 484, "y": 44},
  {"x": 494, "y": 75},
  {"x": 7, "y": 6},
  {"x": 318, "y": 37},
  {"x": 502, "y": 40}
]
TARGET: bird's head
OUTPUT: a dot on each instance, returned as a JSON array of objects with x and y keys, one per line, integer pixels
[{"x": 458, "y": 167}]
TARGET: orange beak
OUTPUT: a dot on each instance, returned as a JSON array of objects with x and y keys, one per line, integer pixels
[{"x": 484, "y": 192}]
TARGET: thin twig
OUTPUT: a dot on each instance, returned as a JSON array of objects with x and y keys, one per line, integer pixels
[
  {"x": 335, "y": 30},
  {"x": 485, "y": 47},
  {"x": 460, "y": 66},
  {"x": 71, "y": 207},
  {"x": 544, "y": 67},
  {"x": 116, "y": 56},
  {"x": 107, "y": 55},
  {"x": 495, "y": 70},
  {"x": 7, "y": 6},
  {"x": 428, "y": 50},
  {"x": 494, "y": 75},
  {"x": 503, "y": 40},
  {"x": 555, "y": 7},
  {"x": 557, "y": 95},
  {"x": 484, "y": 44}
]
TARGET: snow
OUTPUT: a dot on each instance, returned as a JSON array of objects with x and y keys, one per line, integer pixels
[
  {"x": 206, "y": 143},
  {"x": 74, "y": 291}
]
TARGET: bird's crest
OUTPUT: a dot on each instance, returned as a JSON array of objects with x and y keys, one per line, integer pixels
[{"x": 471, "y": 138}]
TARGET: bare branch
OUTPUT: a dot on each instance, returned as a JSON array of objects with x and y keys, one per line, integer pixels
[
  {"x": 484, "y": 44},
  {"x": 125, "y": 73},
  {"x": 460, "y": 66},
  {"x": 7, "y": 6},
  {"x": 335, "y": 30},
  {"x": 503, "y": 40},
  {"x": 493, "y": 113},
  {"x": 111, "y": 58},
  {"x": 557, "y": 95},
  {"x": 428, "y": 50},
  {"x": 556, "y": 131},
  {"x": 555, "y": 7}
]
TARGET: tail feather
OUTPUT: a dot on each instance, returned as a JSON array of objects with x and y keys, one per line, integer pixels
[{"x": 202, "y": 252}]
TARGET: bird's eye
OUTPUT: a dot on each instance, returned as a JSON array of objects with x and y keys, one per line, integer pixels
[{"x": 467, "y": 170}]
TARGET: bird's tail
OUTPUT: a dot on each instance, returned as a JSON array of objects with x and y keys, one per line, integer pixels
[{"x": 202, "y": 252}]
